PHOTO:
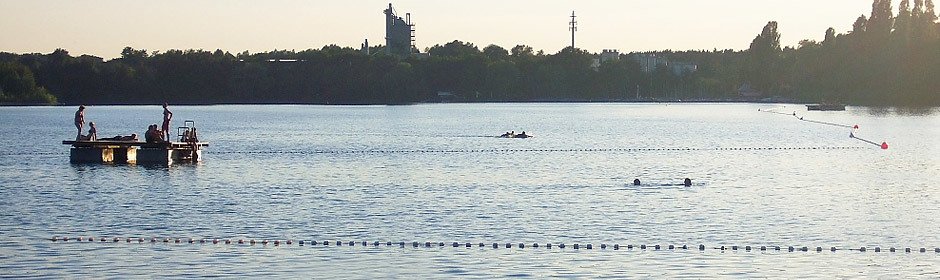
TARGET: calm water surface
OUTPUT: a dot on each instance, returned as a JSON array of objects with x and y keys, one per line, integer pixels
[{"x": 434, "y": 173}]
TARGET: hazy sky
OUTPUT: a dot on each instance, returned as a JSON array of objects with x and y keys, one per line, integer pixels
[{"x": 104, "y": 27}]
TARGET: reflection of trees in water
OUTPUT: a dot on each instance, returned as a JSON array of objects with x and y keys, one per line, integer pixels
[{"x": 902, "y": 111}]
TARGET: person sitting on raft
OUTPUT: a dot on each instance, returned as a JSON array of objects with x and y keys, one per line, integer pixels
[
  {"x": 521, "y": 135},
  {"x": 92, "y": 133},
  {"x": 153, "y": 135},
  {"x": 148, "y": 136},
  {"x": 189, "y": 135}
]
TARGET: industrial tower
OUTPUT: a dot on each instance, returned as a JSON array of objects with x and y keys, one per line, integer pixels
[{"x": 399, "y": 33}]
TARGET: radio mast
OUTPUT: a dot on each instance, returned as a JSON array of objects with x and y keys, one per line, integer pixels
[{"x": 573, "y": 28}]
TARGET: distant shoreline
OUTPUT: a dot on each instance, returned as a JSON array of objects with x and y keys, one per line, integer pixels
[{"x": 415, "y": 103}]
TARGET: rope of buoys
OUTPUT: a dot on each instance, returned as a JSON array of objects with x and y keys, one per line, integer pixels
[
  {"x": 822, "y": 122},
  {"x": 805, "y": 119},
  {"x": 33, "y": 153},
  {"x": 493, "y": 245},
  {"x": 599, "y": 150},
  {"x": 775, "y": 112},
  {"x": 883, "y": 145}
]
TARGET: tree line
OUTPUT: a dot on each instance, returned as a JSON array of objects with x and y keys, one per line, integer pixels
[
  {"x": 338, "y": 75},
  {"x": 885, "y": 59}
]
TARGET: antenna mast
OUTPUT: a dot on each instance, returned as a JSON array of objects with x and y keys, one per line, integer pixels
[{"x": 573, "y": 28}]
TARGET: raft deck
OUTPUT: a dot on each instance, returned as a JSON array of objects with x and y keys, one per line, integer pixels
[
  {"x": 825, "y": 107},
  {"x": 110, "y": 151}
]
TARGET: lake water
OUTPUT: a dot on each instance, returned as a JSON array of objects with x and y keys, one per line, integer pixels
[{"x": 435, "y": 173}]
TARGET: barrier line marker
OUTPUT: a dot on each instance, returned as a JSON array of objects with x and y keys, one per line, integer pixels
[{"x": 481, "y": 245}]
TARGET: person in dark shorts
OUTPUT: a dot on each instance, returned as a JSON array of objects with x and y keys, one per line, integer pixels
[
  {"x": 79, "y": 121},
  {"x": 167, "y": 116}
]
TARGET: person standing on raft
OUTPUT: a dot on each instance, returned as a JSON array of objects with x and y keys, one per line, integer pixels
[
  {"x": 79, "y": 121},
  {"x": 167, "y": 116}
]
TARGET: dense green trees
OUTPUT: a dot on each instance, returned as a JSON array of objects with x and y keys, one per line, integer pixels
[
  {"x": 336, "y": 75},
  {"x": 884, "y": 60},
  {"x": 18, "y": 86},
  {"x": 763, "y": 59}
]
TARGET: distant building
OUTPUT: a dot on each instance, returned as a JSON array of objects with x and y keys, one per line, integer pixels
[
  {"x": 683, "y": 68},
  {"x": 610, "y": 55},
  {"x": 605, "y": 56},
  {"x": 445, "y": 96},
  {"x": 745, "y": 90},
  {"x": 284, "y": 60},
  {"x": 399, "y": 33},
  {"x": 365, "y": 48},
  {"x": 649, "y": 62}
]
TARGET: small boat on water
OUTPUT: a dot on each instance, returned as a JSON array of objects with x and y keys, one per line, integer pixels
[{"x": 825, "y": 107}]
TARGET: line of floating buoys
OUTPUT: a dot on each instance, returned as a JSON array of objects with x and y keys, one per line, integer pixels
[
  {"x": 825, "y": 123},
  {"x": 548, "y": 150},
  {"x": 883, "y": 145},
  {"x": 495, "y": 245},
  {"x": 33, "y": 154}
]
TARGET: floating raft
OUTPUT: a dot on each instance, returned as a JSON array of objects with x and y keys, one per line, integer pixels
[
  {"x": 825, "y": 107},
  {"x": 135, "y": 152}
]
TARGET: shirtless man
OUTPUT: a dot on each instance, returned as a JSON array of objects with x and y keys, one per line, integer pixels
[
  {"x": 79, "y": 121},
  {"x": 153, "y": 135},
  {"x": 167, "y": 116}
]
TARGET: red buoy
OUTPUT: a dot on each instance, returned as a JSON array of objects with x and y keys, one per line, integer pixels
[{"x": 884, "y": 145}]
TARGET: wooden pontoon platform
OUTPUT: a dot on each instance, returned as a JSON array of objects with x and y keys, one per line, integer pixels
[
  {"x": 135, "y": 152},
  {"x": 825, "y": 107}
]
